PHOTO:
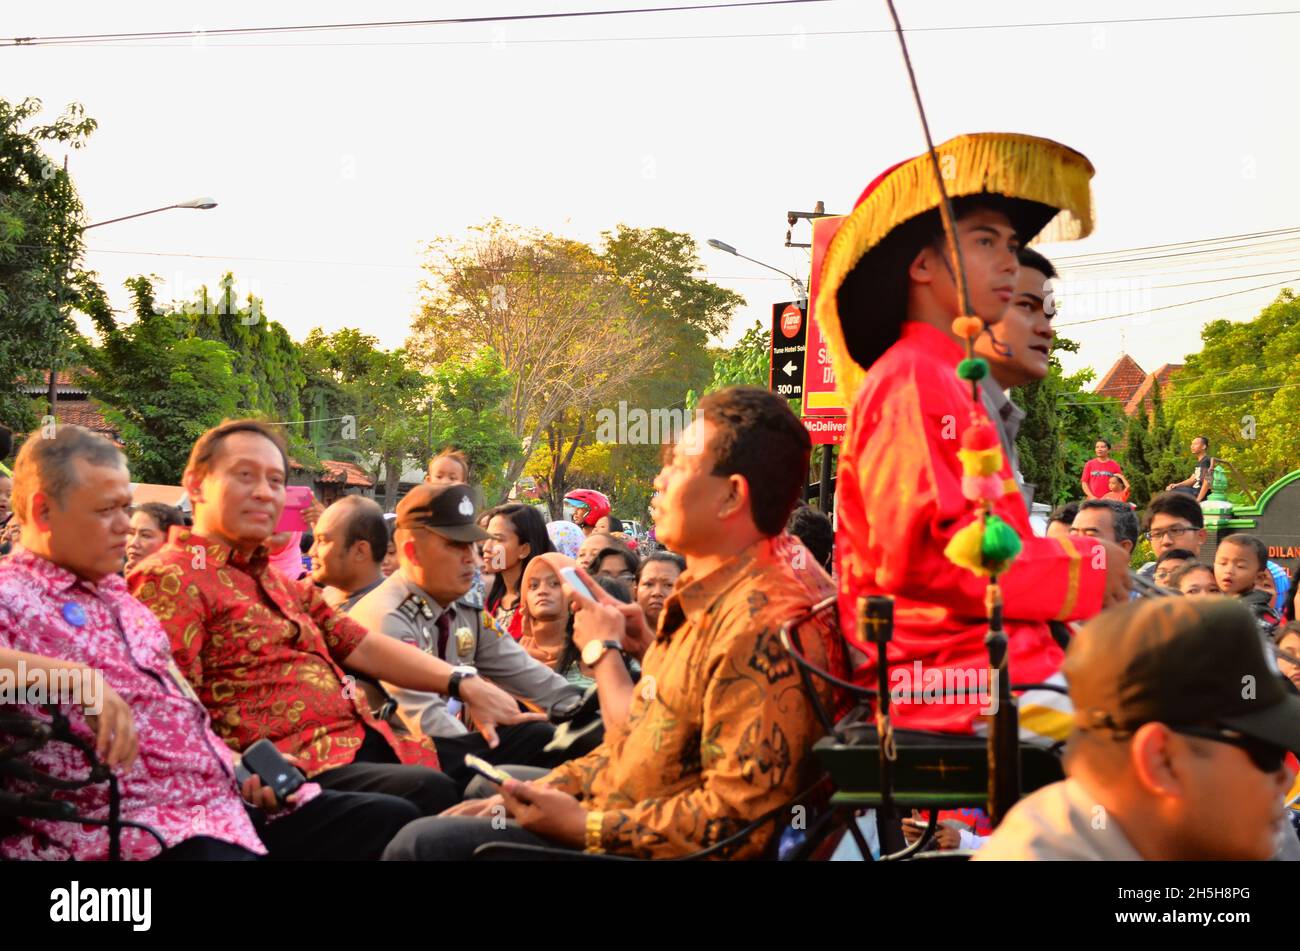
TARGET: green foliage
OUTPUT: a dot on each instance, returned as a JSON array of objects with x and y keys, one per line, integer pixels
[
  {"x": 467, "y": 414},
  {"x": 160, "y": 386},
  {"x": 263, "y": 351},
  {"x": 660, "y": 267},
  {"x": 745, "y": 363},
  {"x": 1240, "y": 392},
  {"x": 1062, "y": 424},
  {"x": 380, "y": 393},
  {"x": 1142, "y": 552},
  {"x": 1168, "y": 456},
  {"x": 1137, "y": 458},
  {"x": 40, "y": 249}
]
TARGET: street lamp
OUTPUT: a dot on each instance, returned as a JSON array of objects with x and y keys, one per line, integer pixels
[
  {"x": 798, "y": 284},
  {"x": 203, "y": 204}
]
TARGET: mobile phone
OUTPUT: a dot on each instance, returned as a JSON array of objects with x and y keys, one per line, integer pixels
[
  {"x": 296, "y": 498},
  {"x": 571, "y": 576},
  {"x": 269, "y": 765},
  {"x": 485, "y": 769}
]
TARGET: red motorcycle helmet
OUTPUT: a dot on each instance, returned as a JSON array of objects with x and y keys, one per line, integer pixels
[{"x": 596, "y": 504}]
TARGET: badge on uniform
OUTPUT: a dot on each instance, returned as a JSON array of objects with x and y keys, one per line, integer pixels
[
  {"x": 74, "y": 614},
  {"x": 464, "y": 642}
]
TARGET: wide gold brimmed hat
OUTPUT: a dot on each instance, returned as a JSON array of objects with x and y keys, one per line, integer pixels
[{"x": 1049, "y": 194}]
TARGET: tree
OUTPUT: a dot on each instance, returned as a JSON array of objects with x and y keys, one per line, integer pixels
[
  {"x": 264, "y": 352},
  {"x": 566, "y": 327},
  {"x": 383, "y": 398},
  {"x": 160, "y": 386},
  {"x": 467, "y": 413},
  {"x": 1240, "y": 391},
  {"x": 1168, "y": 457},
  {"x": 1062, "y": 424},
  {"x": 1137, "y": 457},
  {"x": 681, "y": 309},
  {"x": 41, "y": 280}
]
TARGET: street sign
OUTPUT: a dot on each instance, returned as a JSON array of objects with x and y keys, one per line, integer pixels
[
  {"x": 789, "y": 337},
  {"x": 821, "y": 395}
]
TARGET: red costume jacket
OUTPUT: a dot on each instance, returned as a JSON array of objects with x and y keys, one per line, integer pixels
[{"x": 900, "y": 502}]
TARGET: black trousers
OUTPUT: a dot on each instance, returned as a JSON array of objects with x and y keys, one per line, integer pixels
[
  {"x": 376, "y": 769},
  {"x": 333, "y": 827},
  {"x": 520, "y": 743},
  {"x": 454, "y": 838}
]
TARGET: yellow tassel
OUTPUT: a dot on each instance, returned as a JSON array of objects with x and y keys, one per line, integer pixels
[
  {"x": 980, "y": 462},
  {"x": 964, "y": 549},
  {"x": 1004, "y": 163}
]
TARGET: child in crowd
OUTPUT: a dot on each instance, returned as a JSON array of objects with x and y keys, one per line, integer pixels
[
  {"x": 1194, "y": 578},
  {"x": 1170, "y": 562},
  {"x": 1119, "y": 488},
  {"x": 1240, "y": 568}
]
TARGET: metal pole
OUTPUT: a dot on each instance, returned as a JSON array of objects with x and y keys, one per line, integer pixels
[{"x": 824, "y": 498}]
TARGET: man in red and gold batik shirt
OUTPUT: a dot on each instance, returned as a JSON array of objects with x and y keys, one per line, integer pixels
[
  {"x": 266, "y": 655},
  {"x": 887, "y": 301}
]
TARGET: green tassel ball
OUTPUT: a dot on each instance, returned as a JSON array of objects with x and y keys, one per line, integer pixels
[
  {"x": 974, "y": 369},
  {"x": 1000, "y": 544}
]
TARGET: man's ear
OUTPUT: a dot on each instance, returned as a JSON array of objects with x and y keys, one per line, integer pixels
[
  {"x": 193, "y": 486},
  {"x": 39, "y": 510},
  {"x": 922, "y": 270},
  {"x": 1152, "y": 760},
  {"x": 407, "y": 548},
  {"x": 737, "y": 499}
]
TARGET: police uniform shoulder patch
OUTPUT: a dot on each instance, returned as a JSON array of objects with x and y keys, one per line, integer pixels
[{"x": 491, "y": 623}]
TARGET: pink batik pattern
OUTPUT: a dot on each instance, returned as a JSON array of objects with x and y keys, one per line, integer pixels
[{"x": 182, "y": 782}]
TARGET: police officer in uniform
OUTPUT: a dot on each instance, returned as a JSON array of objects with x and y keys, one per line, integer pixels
[{"x": 422, "y": 604}]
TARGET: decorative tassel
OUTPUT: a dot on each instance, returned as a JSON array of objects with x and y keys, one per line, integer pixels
[
  {"x": 1000, "y": 545},
  {"x": 968, "y": 328},
  {"x": 981, "y": 488},
  {"x": 985, "y": 462},
  {"x": 973, "y": 369},
  {"x": 965, "y": 549}
]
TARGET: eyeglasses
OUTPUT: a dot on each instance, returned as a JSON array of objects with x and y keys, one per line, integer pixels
[
  {"x": 1267, "y": 757},
  {"x": 1168, "y": 533}
]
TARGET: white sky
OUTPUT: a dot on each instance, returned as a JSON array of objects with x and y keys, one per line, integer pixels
[{"x": 346, "y": 156}]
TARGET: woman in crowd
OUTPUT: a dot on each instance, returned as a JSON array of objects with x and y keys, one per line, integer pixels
[
  {"x": 389, "y": 564},
  {"x": 518, "y": 536},
  {"x": 150, "y": 523},
  {"x": 655, "y": 581},
  {"x": 616, "y": 562},
  {"x": 566, "y": 537},
  {"x": 547, "y": 623}
]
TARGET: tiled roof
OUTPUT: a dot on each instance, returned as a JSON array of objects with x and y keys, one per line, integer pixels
[
  {"x": 344, "y": 473},
  {"x": 1143, "y": 393},
  {"x": 1122, "y": 380},
  {"x": 83, "y": 413},
  {"x": 40, "y": 383}
]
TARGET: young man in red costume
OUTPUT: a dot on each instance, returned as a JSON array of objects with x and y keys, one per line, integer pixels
[{"x": 887, "y": 304}]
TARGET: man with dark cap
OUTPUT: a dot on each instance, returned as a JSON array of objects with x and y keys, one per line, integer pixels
[
  {"x": 422, "y": 604},
  {"x": 1181, "y": 729}
]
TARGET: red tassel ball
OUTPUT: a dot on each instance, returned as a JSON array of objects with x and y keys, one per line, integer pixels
[{"x": 979, "y": 437}]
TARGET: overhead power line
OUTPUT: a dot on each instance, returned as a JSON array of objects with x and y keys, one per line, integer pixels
[
  {"x": 383, "y": 24},
  {"x": 133, "y": 40},
  {"x": 1186, "y": 303}
]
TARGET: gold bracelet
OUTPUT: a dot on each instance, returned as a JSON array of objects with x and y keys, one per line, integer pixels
[{"x": 595, "y": 823}]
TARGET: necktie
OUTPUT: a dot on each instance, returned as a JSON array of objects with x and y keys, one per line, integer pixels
[{"x": 444, "y": 631}]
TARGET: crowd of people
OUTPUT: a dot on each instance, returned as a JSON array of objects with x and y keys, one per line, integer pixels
[{"x": 445, "y": 678}]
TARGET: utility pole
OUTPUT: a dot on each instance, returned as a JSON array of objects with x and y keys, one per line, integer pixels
[{"x": 824, "y": 495}]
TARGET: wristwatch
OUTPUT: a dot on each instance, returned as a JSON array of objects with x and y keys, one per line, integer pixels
[
  {"x": 458, "y": 674},
  {"x": 595, "y": 650}
]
